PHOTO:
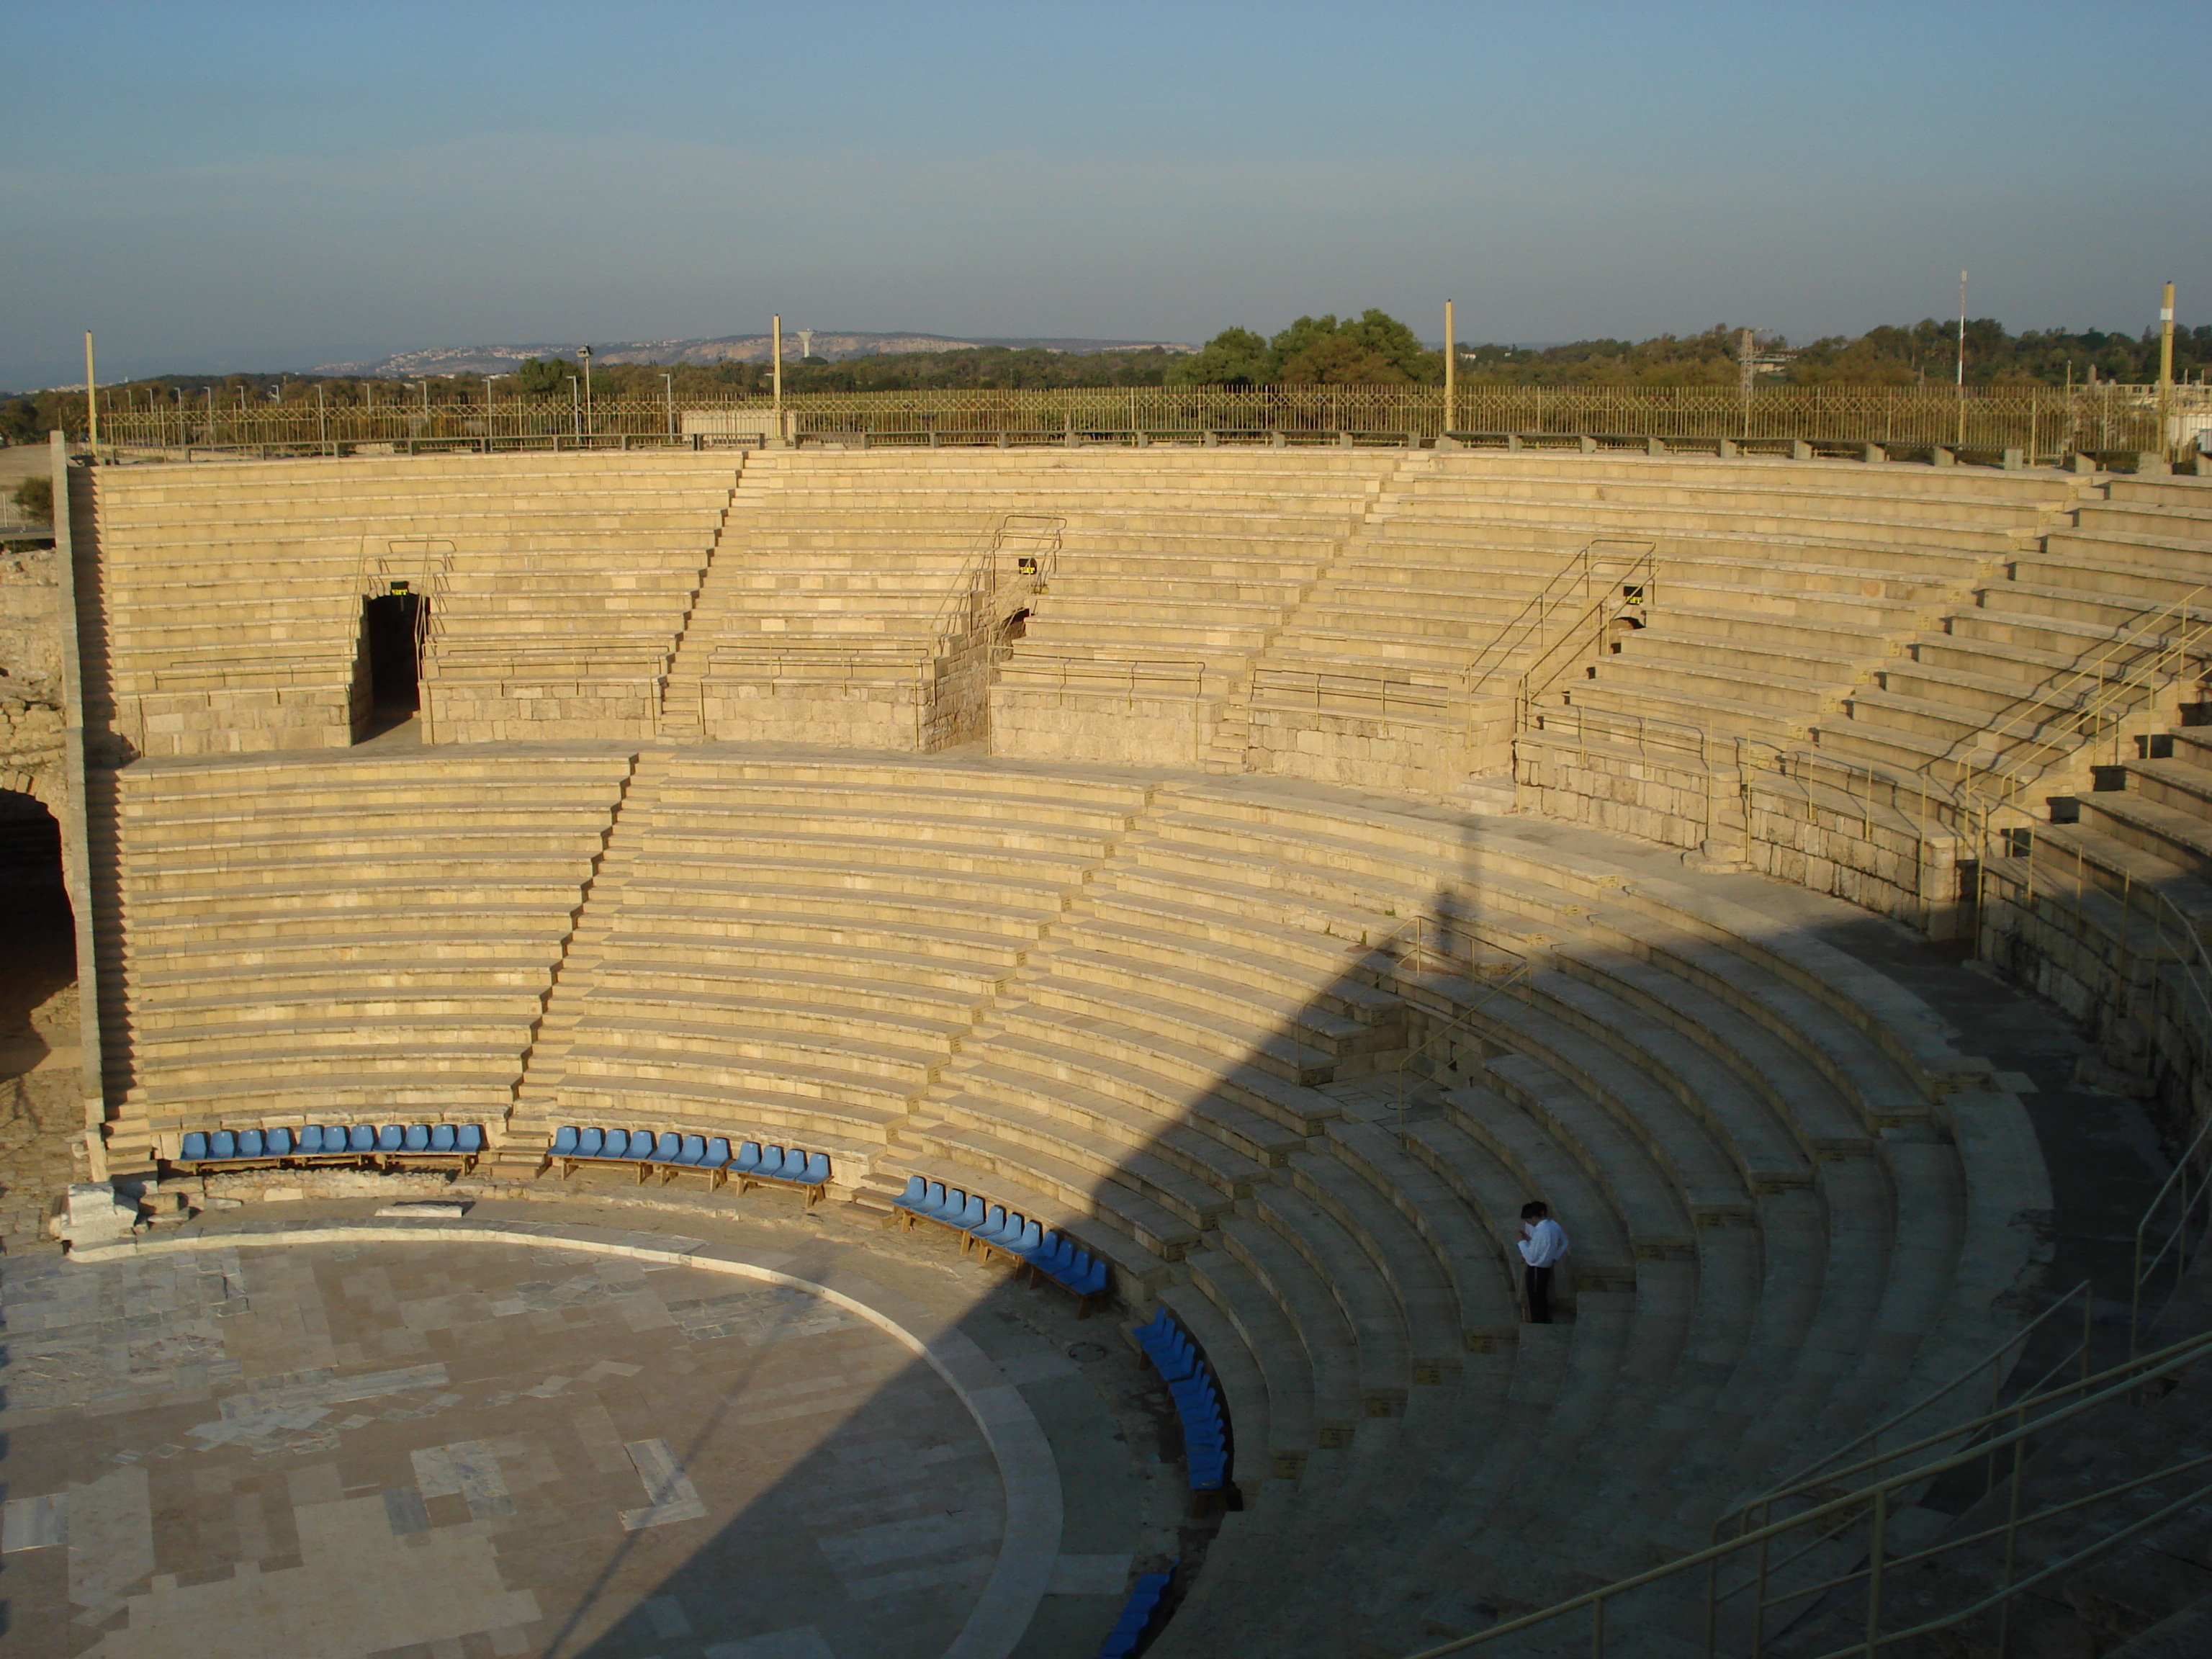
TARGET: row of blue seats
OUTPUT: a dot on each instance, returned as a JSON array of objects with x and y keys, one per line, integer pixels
[
  {"x": 1137, "y": 1612},
  {"x": 751, "y": 1162},
  {"x": 1198, "y": 1402},
  {"x": 335, "y": 1140},
  {"x": 1055, "y": 1255}
]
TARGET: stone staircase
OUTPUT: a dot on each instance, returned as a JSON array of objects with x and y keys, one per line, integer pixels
[{"x": 307, "y": 940}]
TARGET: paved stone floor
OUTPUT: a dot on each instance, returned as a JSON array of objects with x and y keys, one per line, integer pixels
[{"x": 340, "y": 1451}]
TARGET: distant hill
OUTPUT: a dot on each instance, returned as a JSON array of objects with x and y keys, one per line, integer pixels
[{"x": 836, "y": 346}]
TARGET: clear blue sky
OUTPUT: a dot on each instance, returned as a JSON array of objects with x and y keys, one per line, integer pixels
[{"x": 267, "y": 186}]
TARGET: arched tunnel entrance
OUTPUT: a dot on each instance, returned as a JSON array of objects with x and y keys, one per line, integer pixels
[{"x": 40, "y": 1094}]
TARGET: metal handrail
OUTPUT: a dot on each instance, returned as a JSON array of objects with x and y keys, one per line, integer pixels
[
  {"x": 1624, "y": 597},
  {"x": 1870, "y": 1504},
  {"x": 1374, "y": 688},
  {"x": 1515, "y": 973},
  {"x": 1821, "y": 1472},
  {"x": 1161, "y": 675},
  {"x": 978, "y": 591},
  {"x": 1574, "y": 576},
  {"x": 2166, "y": 657}
]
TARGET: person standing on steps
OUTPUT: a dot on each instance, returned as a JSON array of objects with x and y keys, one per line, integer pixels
[{"x": 1543, "y": 1241}]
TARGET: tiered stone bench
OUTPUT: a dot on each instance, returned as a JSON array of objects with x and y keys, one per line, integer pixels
[
  {"x": 232, "y": 593},
  {"x": 799, "y": 947},
  {"x": 309, "y": 940}
]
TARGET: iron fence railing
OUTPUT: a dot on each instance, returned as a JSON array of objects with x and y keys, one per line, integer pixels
[{"x": 2037, "y": 422}]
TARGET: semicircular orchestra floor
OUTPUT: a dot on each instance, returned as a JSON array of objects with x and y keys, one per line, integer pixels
[{"x": 333, "y": 1451}]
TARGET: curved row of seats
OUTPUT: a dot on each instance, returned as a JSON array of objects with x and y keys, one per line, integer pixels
[
  {"x": 1206, "y": 1432},
  {"x": 330, "y": 1140},
  {"x": 673, "y": 1153},
  {"x": 1010, "y": 1233}
]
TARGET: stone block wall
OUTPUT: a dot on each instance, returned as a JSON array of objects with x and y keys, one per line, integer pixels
[
  {"x": 1888, "y": 852},
  {"x": 1036, "y": 723},
  {"x": 1364, "y": 752}
]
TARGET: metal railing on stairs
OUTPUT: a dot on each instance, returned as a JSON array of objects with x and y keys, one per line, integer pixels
[
  {"x": 1837, "y": 1552},
  {"x": 1577, "y": 585},
  {"x": 2091, "y": 699},
  {"x": 1014, "y": 560}
]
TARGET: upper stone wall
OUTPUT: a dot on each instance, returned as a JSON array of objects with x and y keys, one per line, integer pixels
[{"x": 30, "y": 676}]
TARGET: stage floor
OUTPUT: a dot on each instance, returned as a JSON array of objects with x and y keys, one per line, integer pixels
[{"x": 332, "y": 1451}]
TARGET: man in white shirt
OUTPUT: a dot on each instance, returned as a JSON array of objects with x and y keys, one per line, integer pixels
[{"x": 1543, "y": 1241}]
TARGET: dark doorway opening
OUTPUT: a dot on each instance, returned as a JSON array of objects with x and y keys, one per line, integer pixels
[
  {"x": 30, "y": 844},
  {"x": 391, "y": 626}
]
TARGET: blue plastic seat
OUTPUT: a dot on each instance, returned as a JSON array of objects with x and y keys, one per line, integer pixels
[
  {"x": 817, "y": 1168},
  {"x": 950, "y": 1205},
  {"x": 994, "y": 1223},
  {"x": 468, "y": 1137},
  {"x": 417, "y": 1138},
  {"x": 772, "y": 1162},
  {"x": 442, "y": 1138},
  {"x": 748, "y": 1159},
  {"x": 361, "y": 1138},
  {"x": 564, "y": 1140},
  {"x": 310, "y": 1139},
  {"x": 916, "y": 1190},
  {"x": 1032, "y": 1236},
  {"x": 249, "y": 1143},
  {"x": 390, "y": 1138},
  {"x": 692, "y": 1152},
  {"x": 223, "y": 1142},
  {"x": 667, "y": 1146},
  {"x": 1062, "y": 1259},
  {"x": 1193, "y": 1386},
  {"x": 718, "y": 1152},
  {"x": 194, "y": 1146},
  {"x": 642, "y": 1144},
  {"x": 972, "y": 1216},
  {"x": 336, "y": 1137},
  {"x": 589, "y": 1141},
  {"x": 280, "y": 1142},
  {"x": 1092, "y": 1281}
]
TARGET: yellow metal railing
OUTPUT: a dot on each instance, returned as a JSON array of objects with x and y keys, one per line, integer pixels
[{"x": 2037, "y": 422}]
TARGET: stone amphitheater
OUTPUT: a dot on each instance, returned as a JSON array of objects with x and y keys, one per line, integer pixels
[{"x": 1261, "y": 869}]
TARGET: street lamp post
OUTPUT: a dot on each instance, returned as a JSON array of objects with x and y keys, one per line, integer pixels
[
  {"x": 669, "y": 381},
  {"x": 584, "y": 355},
  {"x": 489, "y": 378}
]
